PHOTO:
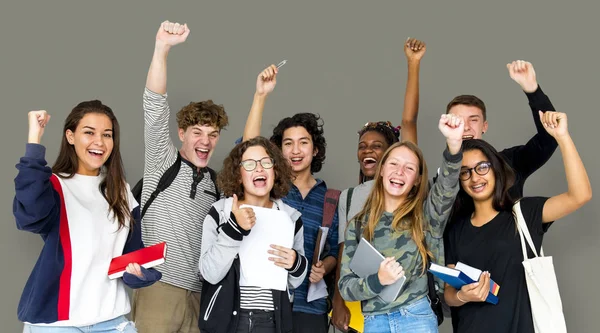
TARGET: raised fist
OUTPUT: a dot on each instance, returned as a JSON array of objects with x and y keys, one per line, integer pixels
[{"x": 170, "y": 33}]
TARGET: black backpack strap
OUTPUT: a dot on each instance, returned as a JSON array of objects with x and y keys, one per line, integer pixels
[
  {"x": 137, "y": 191},
  {"x": 357, "y": 231},
  {"x": 357, "y": 223},
  {"x": 213, "y": 177},
  {"x": 348, "y": 202},
  {"x": 165, "y": 181}
]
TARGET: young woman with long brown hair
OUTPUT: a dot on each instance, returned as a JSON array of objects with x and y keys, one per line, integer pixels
[{"x": 84, "y": 211}]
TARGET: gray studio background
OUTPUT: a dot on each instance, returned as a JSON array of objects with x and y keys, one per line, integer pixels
[{"x": 345, "y": 61}]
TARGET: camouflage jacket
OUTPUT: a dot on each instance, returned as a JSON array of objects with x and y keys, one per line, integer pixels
[{"x": 399, "y": 244}]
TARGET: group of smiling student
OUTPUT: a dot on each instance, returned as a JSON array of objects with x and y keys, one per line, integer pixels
[{"x": 86, "y": 214}]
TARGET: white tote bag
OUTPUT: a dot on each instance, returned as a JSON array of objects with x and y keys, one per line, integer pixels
[{"x": 546, "y": 305}]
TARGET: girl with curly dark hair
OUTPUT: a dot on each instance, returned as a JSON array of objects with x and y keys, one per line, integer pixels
[
  {"x": 300, "y": 138},
  {"x": 255, "y": 174}
]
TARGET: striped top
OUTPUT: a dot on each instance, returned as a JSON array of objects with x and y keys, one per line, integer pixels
[
  {"x": 174, "y": 217},
  {"x": 254, "y": 298}
]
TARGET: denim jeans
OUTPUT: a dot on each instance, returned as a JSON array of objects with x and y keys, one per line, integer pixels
[
  {"x": 415, "y": 318},
  {"x": 256, "y": 321},
  {"x": 117, "y": 325}
]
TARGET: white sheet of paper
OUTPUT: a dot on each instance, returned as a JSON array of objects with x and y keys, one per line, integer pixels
[
  {"x": 316, "y": 291},
  {"x": 272, "y": 226},
  {"x": 319, "y": 289},
  {"x": 471, "y": 272}
]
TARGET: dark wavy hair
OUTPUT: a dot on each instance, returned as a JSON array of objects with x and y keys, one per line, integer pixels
[
  {"x": 113, "y": 187},
  {"x": 505, "y": 179},
  {"x": 314, "y": 126},
  {"x": 229, "y": 179}
]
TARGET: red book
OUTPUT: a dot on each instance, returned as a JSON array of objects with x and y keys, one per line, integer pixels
[{"x": 147, "y": 257}]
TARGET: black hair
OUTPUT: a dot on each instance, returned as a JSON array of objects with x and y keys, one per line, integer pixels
[
  {"x": 505, "y": 179},
  {"x": 314, "y": 126}
]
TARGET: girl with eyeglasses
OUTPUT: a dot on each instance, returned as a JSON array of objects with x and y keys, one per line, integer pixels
[
  {"x": 256, "y": 174},
  {"x": 483, "y": 233},
  {"x": 302, "y": 143}
]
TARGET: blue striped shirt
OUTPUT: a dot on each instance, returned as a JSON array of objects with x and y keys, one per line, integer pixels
[{"x": 311, "y": 208}]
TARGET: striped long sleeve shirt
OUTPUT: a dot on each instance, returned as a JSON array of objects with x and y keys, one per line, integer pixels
[{"x": 177, "y": 214}]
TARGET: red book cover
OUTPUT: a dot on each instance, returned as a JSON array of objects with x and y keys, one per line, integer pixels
[{"x": 147, "y": 257}]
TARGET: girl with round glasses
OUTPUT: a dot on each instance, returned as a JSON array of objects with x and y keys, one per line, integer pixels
[
  {"x": 483, "y": 233},
  {"x": 250, "y": 165},
  {"x": 256, "y": 174},
  {"x": 481, "y": 168}
]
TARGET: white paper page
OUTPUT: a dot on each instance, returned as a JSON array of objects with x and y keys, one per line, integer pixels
[
  {"x": 272, "y": 227},
  {"x": 471, "y": 272},
  {"x": 316, "y": 291}
]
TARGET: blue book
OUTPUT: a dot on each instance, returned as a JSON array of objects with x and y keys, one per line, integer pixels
[{"x": 461, "y": 275}]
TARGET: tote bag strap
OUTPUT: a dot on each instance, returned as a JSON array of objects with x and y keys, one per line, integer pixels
[{"x": 524, "y": 232}]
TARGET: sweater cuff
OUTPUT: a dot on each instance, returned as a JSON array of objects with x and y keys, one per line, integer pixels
[
  {"x": 153, "y": 94},
  {"x": 374, "y": 284},
  {"x": 232, "y": 229},
  {"x": 536, "y": 95},
  {"x": 453, "y": 158},
  {"x": 298, "y": 266},
  {"x": 149, "y": 277},
  {"x": 35, "y": 150}
]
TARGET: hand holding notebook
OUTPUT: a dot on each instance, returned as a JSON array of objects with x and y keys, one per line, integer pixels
[
  {"x": 465, "y": 275},
  {"x": 478, "y": 291},
  {"x": 367, "y": 260},
  {"x": 146, "y": 257}
]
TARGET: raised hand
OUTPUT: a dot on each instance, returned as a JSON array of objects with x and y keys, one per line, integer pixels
[
  {"x": 37, "y": 123},
  {"x": 414, "y": 49},
  {"x": 555, "y": 123},
  {"x": 523, "y": 73},
  {"x": 475, "y": 292},
  {"x": 452, "y": 127},
  {"x": 285, "y": 257},
  {"x": 266, "y": 80},
  {"x": 389, "y": 271},
  {"x": 244, "y": 217},
  {"x": 171, "y": 33}
]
